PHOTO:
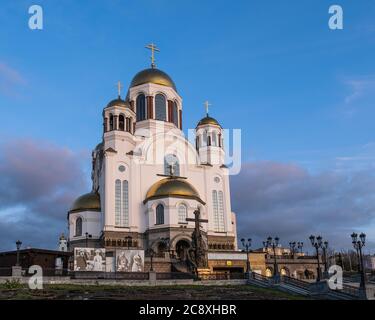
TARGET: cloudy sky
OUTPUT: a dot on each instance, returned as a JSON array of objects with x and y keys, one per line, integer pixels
[{"x": 302, "y": 94}]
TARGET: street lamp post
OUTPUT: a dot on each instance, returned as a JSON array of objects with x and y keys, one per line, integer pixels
[
  {"x": 18, "y": 245},
  {"x": 325, "y": 249},
  {"x": 128, "y": 239},
  {"x": 273, "y": 243},
  {"x": 317, "y": 244},
  {"x": 151, "y": 253},
  {"x": 247, "y": 246},
  {"x": 300, "y": 246},
  {"x": 292, "y": 246},
  {"x": 88, "y": 236},
  {"x": 358, "y": 244}
]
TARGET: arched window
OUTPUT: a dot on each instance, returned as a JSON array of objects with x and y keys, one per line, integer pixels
[
  {"x": 121, "y": 123},
  {"x": 141, "y": 107},
  {"x": 111, "y": 122},
  {"x": 160, "y": 107},
  {"x": 182, "y": 213},
  {"x": 215, "y": 206},
  {"x": 221, "y": 212},
  {"x": 160, "y": 214},
  {"x": 125, "y": 204},
  {"x": 118, "y": 202},
  {"x": 122, "y": 203},
  {"x": 171, "y": 162},
  {"x": 128, "y": 124},
  {"x": 78, "y": 227},
  {"x": 175, "y": 114}
]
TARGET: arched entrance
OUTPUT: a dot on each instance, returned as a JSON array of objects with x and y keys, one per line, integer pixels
[
  {"x": 269, "y": 272},
  {"x": 181, "y": 249},
  {"x": 285, "y": 272}
]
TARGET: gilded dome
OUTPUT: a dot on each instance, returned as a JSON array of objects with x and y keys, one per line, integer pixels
[
  {"x": 153, "y": 75},
  {"x": 208, "y": 121},
  {"x": 172, "y": 187},
  {"x": 119, "y": 103},
  {"x": 87, "y": 202}
]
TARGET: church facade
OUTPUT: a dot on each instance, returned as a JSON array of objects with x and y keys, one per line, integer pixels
[{"x": 148, "y": 179}]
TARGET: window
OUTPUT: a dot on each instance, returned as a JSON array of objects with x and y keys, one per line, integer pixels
[
  {"x": 125, "y": 203},
  {"x": 221, "y": 212},
  {"x": 117, "y": 202},
  {"x": 111, "y": 122},
  {"x": 141, "y": 107},
  {"x": 218, "y": 207},
  {"x": 182, "y": 213},
  {"x": 216, "y": 210},
  {"x": 78, "y": 227},
  {"x": 128, "y": 124},
  {"x": 160, "y": 214},
  {"x": 160, "y": 107},
  {"x": 175, "y": 114},
  {"x": 121, "y": 122},
  {"x": 171, "y": 163},
  {"x": 121, "y": 203}
]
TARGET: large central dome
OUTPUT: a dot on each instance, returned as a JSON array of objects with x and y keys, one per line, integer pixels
[{"x": 153, "y": 75}]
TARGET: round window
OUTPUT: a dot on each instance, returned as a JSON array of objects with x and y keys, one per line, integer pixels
[
  {"x": 121, "y": 168},
  {"x": 217, "y": 179}
]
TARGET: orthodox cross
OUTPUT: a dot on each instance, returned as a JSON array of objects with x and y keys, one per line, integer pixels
[
  {"x": 206, "y": 105},
  {"x": 119, "y": 87},
  {"x": 197, "y": 219},
  {"x": 153, "y": 48}
]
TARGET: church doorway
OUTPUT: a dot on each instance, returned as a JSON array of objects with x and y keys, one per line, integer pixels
[{"x": 181, "y": 249}]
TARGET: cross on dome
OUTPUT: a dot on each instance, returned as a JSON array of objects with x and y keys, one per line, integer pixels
[
  {"x": 153, "y": 49},
  {"x": 119, "y": 87},
  {"x": 207, "y": 105}
]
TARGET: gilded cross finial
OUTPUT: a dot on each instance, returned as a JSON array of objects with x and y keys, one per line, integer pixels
[
  {"x": 206, "y": 105},
  {"x": 153, "y": 48},
  {"x": 119, "y": 87}
]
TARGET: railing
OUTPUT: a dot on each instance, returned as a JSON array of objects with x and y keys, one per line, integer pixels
[
  {"x": 350, "y": 290},
  {"x": 260, "y": 277},
  {"x": 295, "y": 282},
  {"x": 111, "y": 275}
]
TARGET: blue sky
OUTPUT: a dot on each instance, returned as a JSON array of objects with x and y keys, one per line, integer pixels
[{"x": 302, "y": 94}]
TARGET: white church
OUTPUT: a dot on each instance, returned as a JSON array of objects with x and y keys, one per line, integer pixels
[{"x": 147, "y": 178}]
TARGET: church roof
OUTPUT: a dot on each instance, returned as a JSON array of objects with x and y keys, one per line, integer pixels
[
  {"x": 172, "y": 187},
  {"x": 87, "y": 202},
  {"x": 119, "y": 103},
  {"x": 153, "y": 75},
  {"x": 208, "y": 121}
]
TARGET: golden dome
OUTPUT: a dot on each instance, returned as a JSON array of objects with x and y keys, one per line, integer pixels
[
  {"x": 118, "y": 102},
  {"x": 172, "y": 187},
  {"x": 208, "y": 121},
  {"x": 87, "y": 202},
  {"x": 153, "y": 75}
]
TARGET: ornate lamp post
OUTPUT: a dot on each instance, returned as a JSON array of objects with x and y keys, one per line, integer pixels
[
  {"x": 151, "y": 253},
  {"x": 300, "y": 246},
  {"x": 325, "y": 248},
  {"x": 358, "y": 244},
  {"x": 18, "y": 245},
  {"x": 88, "y": 236},
  {"x": 317, "y": 244},
  {"x": 292, "y": 246},
  {"x": 273, "y": 243},
  {"x": 247, "y": 246},
  {"x": 128, "y": 240}
]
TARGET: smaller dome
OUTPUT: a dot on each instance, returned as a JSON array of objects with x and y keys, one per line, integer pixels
[
  {"x": 153, "y": 75},
  {"x": 208, "y": 121},
  {"x": 87, "y": 202},
  {"x": 172, "y": 187},
  {"x": 118, "y": 103}
]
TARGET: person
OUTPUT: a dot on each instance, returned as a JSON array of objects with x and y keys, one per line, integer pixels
[
  {"x": 98, "y": 261},
  {"x": 137, "y": 263},
  {"x": 122, "y": 263},
  {"x": 81, "y": 261}
]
